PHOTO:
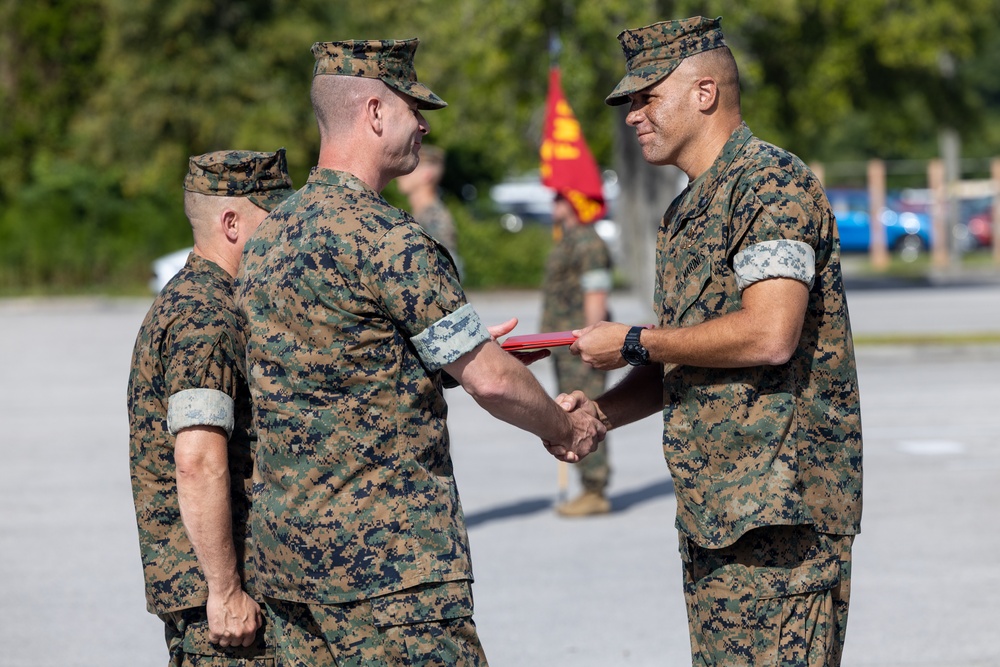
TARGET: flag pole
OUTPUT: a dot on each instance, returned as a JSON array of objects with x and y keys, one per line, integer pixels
[{"x": 562, "y": 471}]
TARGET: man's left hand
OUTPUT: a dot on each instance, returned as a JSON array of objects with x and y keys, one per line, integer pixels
[
  {"x": 526, "y": 357},
  {"x": 600, "y": 345}
]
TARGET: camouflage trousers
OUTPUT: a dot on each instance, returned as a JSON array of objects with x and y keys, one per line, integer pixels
[
  {"x": 572, "y": 375},
  {"x": 777, "y": 597},
  {"x": 186, "y": 632},
  {"x": 425, "y": 626}
]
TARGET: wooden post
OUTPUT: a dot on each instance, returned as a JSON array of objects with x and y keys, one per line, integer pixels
[
  {"x": 939, "y": 218},
  {"x": 877, "y": 249},
  {"x": 562, "y": 493},
  {"x": 995, "y": 177}
]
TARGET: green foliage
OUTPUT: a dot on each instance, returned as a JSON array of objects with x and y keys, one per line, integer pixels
[
  {"x": 48, "y": 50},
  {"x": 71, "y": 227},
  {"x": 104, "y": 100},
  {"x": 852, "y": 79},
  {"x": 492, "y": 257}
]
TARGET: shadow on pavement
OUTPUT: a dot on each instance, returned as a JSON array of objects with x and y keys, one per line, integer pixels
[
  {"x": 623, "y": 501},
  {"x": 619, "y": 503},
  {"x": 519, "y": 508}
]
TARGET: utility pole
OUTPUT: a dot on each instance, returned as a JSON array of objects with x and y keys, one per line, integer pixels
[{"x": 951, "y": 147}]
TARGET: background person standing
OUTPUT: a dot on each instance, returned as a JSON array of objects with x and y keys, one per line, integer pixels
[
  {"x": 190, "y": 421},
  {"x": 578, "y": 279},
  {"x": 421, "y": 188}
]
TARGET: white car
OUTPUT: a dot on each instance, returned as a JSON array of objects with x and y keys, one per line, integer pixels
[
  {"x": 525, "y": 199},
  {"x": 166, "y": 267}
]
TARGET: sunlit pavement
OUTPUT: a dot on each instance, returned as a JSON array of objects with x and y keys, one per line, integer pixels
[{"x": 549, "y": 591}]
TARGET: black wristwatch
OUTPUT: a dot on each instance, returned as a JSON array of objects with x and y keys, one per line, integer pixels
[{"x": 632, "y": 351}]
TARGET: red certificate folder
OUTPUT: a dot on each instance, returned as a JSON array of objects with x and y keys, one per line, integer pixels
[{"x": 538, "y": 341}]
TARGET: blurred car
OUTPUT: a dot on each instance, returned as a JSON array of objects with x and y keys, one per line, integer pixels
[
  {"x": 907, "y": 231},
  {"x": 166, "y": 267},
  {"x": 980, "y": 226},
  {"x": 975, "y": 212},
  {"x": 525, "y": 201},
  {"x": 976, "y": 215}
]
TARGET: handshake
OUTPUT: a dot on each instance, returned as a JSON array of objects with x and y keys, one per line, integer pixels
[
  {"x": 579, "y": 429},
  {"x": 587, "y": 428}
]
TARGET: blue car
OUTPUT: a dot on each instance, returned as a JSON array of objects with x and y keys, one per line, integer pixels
[{"x": 906, "y": 232}]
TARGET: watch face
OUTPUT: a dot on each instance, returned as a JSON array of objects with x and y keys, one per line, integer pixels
[{"x": 636, "y": 355}]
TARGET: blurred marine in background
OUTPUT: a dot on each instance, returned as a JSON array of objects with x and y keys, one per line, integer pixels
[
  {"x": 575, "y": 295},
  {"x": 421, "y": 189},
  {"x": 190, "y": 422},
  {"x": 577, "y": 273}
]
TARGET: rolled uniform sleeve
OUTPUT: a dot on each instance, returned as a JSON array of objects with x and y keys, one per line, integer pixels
[
  {"x": 451, "y": 337},
  {"x": 201, "y": 376},
  {"x": 779, "y": 223},
  {"x": 775, "y": 259},
  {"x": 598, "y": 280},
  {"x": 201, "y": 407},
  {"x": 422, "y": 294}
]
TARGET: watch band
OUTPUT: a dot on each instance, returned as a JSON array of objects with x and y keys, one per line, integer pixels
[
  {"x": 632, "y": 337},
  {"x": 633, "y": 351}
]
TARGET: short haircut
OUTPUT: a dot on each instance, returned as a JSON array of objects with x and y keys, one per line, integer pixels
[
  {"x": 203, "y": 210},
  {"x": 721, "y": 65},
  {"x": 335, "y": 100}
]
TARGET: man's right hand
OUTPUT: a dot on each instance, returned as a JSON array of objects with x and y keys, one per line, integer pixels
[
  {"x": 588, "y": 430},
  {"x": 233, "y": 619}
]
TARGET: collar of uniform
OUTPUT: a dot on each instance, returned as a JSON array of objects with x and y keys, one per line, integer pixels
[
  {"x": 700, "y": 191},
  {"x": 323, "y": 176},
  {"x": 203, "y": 265}
]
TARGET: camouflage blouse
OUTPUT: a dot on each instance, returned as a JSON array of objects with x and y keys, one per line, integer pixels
[
  {"x": 352, "y": 310},
  {"x": 187, "y": 370},
  {"x": 579, "y": 262},
  {"x": 767, "y": 445}
]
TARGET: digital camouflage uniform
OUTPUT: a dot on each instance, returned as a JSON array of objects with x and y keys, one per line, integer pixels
[
  {"x": 352, "y": 311},
  {"x": 579, "y": 262},
  {"x": 188, "y": 370},
  {"x": 766, "y": 461}
]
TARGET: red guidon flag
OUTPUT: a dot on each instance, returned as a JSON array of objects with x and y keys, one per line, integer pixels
[{"x": 567, "y": 164}]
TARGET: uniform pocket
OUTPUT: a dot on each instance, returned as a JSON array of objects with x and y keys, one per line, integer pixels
[
  {"x": 795, "y": 621},
  {"x": 429, "y": 626},
  {"x": 196, "y": 642},
  {"x": 811, "y": 576},
  {"x": 423, "y": 604}
]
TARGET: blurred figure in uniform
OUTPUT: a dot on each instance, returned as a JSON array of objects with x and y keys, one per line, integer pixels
[
  {"x": 421, "y": 188},
  {"x": 578, "y": 279},
  {"x": 190, "y": 422}
]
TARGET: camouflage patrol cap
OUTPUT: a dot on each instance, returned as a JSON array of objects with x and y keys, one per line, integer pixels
[
  {"x": 260, "y": 177},
  {"x": 390, "y": 60},
  {"x": 653, "y": 52}
]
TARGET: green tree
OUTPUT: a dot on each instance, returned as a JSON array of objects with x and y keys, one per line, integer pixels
[
  {"x": 114, "y": 95},
  {"x": 48, "y": 52}
]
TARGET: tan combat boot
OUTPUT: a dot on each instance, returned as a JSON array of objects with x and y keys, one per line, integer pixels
[{"x": 588, "y": 503}]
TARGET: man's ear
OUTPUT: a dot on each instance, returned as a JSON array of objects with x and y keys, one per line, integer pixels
[
  {"x": 373, "y": 113},
  {"x": 230, "y": 221},
  {"x": 707, "y": 93}
]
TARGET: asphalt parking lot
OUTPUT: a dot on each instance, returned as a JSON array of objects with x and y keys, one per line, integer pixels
[{"x": 549, "y": 591}]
